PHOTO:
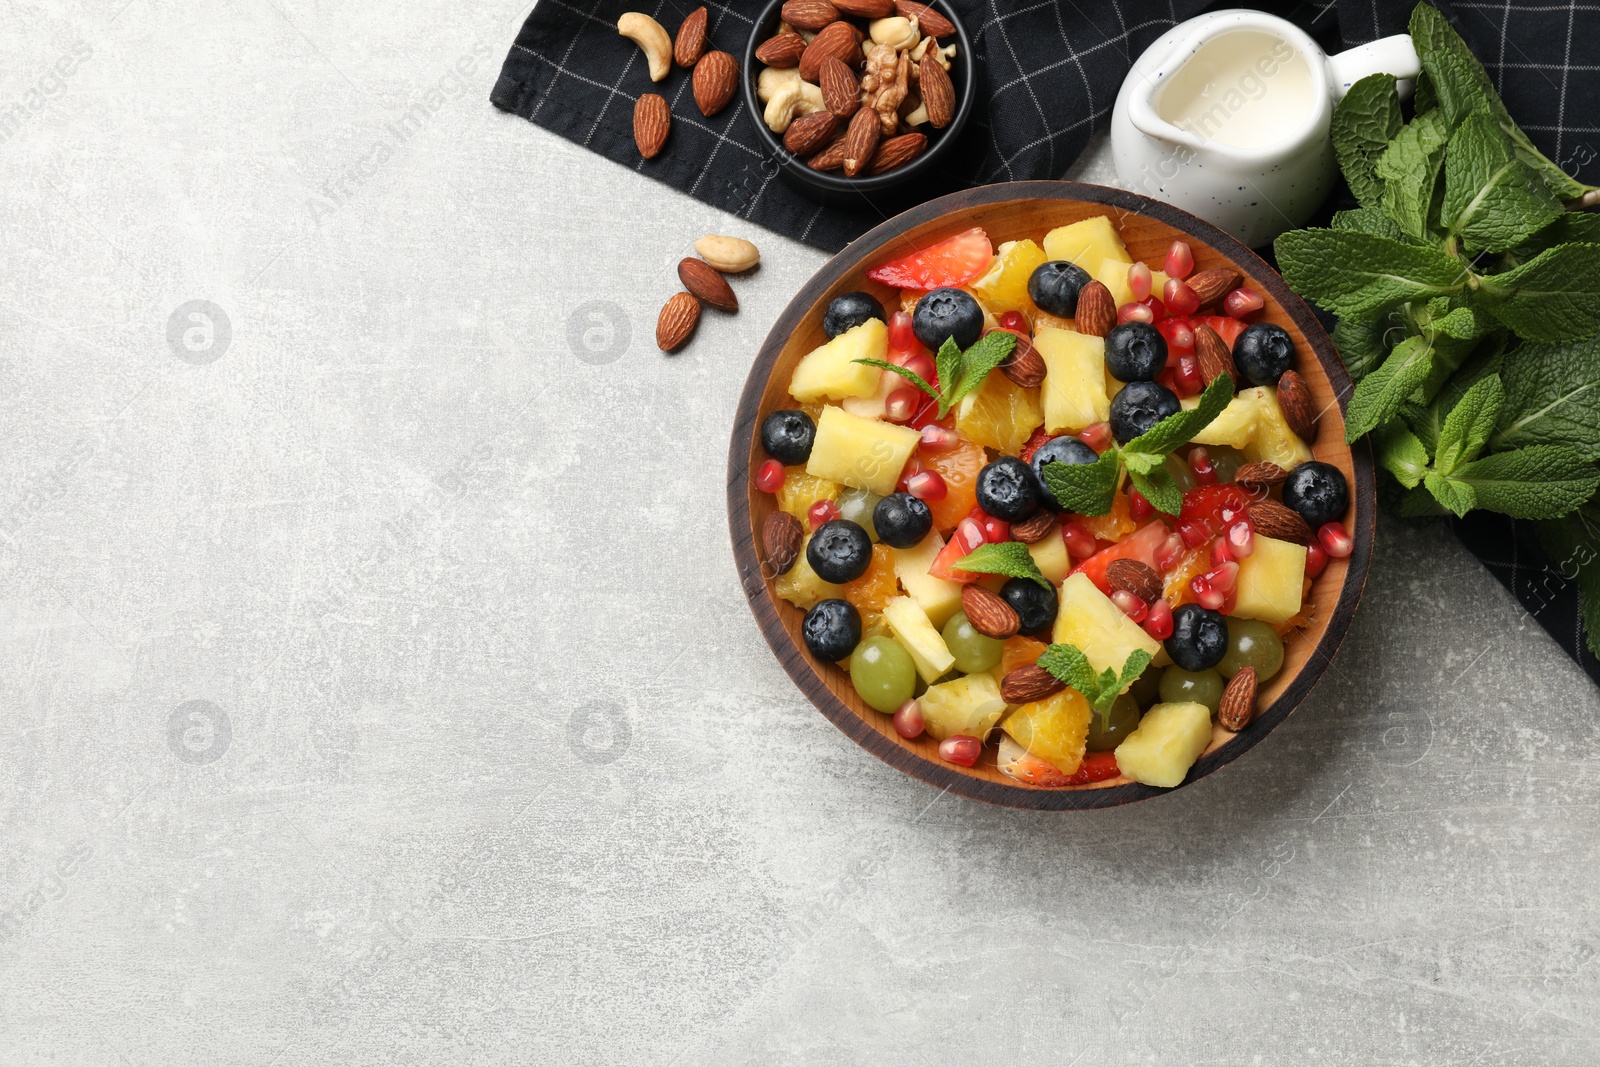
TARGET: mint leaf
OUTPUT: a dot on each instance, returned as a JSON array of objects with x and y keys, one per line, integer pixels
[
  {"x": 1010, "y": 558},
  {"x": 1364, "y": 123},
  {"x": 1552, "y": 397},
  {"x": 1468, "y": 426},
  {"x": 1492, "y": 198},
  {"x": 1409, "y": 169},
  {"x": 1160, "y": 489},
  {"x": 1458, "y": 323},
  {"x": 1363, "y": 342},
  {"x": 1552, "y": 297},
  {"x": 1069, "y": 666},
  {"x": 1358, "y": 274},
  {"x": 947, "y": 364},
  {"x": 1568, "y": 226},
  {"x": 1380, "y": 394},
  {"x": 1418, "y": 503},
  {"x": 1371, "y": 220},
  {"x": 1084, "y": 488},
  {"x": 1537, "y": 482},
  {"x": 1573, "y": 544},
  {"x": 1403, "y": 455},
  {"x": 984, "y": 356},
  {"x": 1180, "y": 428},
  {"x": 911, "y": 376},
  {"x": 1450, "y": 493}
]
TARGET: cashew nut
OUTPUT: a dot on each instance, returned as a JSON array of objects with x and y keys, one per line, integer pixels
[
  {"x": 727, "y": 254},
  {"x": 647, "y": 33},
  {"x": 917, "y": 115},
  {"x": 791, "y": 99},
  {"x": 942, "y": 55},
  {"x": 771, "y": 79},
  {"x": 896, "y": 32}
]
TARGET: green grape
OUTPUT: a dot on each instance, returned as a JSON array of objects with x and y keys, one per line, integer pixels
[
  {"x": 1227, "y": 461},
  {"x": 856, "y": 505},
  {"x": 1146, "y": 689},
  {"x": 1179, "y": 469},
  {"x": 1203, "y": 687},
  {"x": 974, "y": 652},
  {"x": 882, "y": 673},
  {"x": 1110, "y": 730},
  {"x": 1252, "y": 644}
]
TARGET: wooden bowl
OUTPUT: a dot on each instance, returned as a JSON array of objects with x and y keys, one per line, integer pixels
[{"x": 1011, "y": 212}]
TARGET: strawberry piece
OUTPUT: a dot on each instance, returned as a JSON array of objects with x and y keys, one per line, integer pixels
[
  {"x": 1227, "y": 328},
  {"x": 1140, "y": 545},
  {"x": 966, "y": 537},
  {"x": 1040, "y": 438},
  {"x": 1096, "y": 767},
  {"x": 954, "y": 261}
]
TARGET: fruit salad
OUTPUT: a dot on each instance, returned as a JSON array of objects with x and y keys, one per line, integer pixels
[{"x": 1057, "y": 505}]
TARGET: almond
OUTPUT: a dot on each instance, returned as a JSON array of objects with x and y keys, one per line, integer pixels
[
  {"x": 1211, "y": 352},
  {"x": 808, "y": 133},
  {"x": 691, "y": 41},
  {"x": 809, "y": 14},
  {"x": 782, "y": 51},
  {"x": 676, "y": 323},
  {"x": 929, "y": 21},
  {"x": 1260, "y": 475},
  {"x": 1024, "y": 365},
  {"x": 1134, "y": 577},
  {"x": 652, "y": 121},
  {"x": 841, "y": 92},
  {"x": 781, "y": 536},
  {"x": 897, "y": 152},
  {"x": 1034, "y": 530},
  {"x": 1097, "y": 310},
  {"x": 1275, "y": 520},
  {"x": 1212, "y": 285},
  {"x": 840, "y": 40},
  {"x": 1294, "y": 397},
  {"x": 1027, "y": 684},
  {"x": 865, "y": 9},
  {"x": 830, "y": 158},
  {"x": 1238, "y": 701},
  {"x": 860, "y": 142},
  {"x": 716, "y": 76},
  {"x": 707, "y": 283},
  {"x": 988, "y": 614},
  {"x": 938, "y": 95}
]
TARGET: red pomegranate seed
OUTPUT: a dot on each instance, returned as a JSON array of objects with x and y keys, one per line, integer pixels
[
  {"x": 1206, "y": 596},
  {"x": 914, "y": 466},
  {"x": 927, "y": 414},
  {"x": 1335, "y": 541},
  {"x": 1220, "y": 552},
  {"x": 1016, "y": 323},
  {"x": 969, "y": 531},
  {"x": 1139, "y": 509},
  {"x": 1170, "y": 552},
  {"x": 1096, "y": 435},
  {"x": 1194, "y": 532},
  {"x": 927, "y": 486},
  {"x": 1223, "y": 578},
  {"x": 908, "y": 719},
  {"x": 902, "y": 337},
  {"x": 1139, "y": 281},
  {"x": 823, "y": 511},
  {"x": 920, "y": 365},
  {"x": 1241, "y": 302},
  {"x": 769, "y": 479},
  {"x": 1180, "y": 261},
  {"x": 994, "y": 530},
  {"x": 936, "y": 438},
  {"x": 1179, "y": 332},
  {"x": 902, "y": 404},
  {"x": 1179, "y": 297},
  {"x": 1158, "y": 621},
  {"x": 1316, "y": 560},
  {"x": 1079, "y": 541},
  {"x": 1205, "y": 471},
  {"x": 1241, "y": 540},
  {"x": 1190, "y": 383},
  {"x": 1135, "y": 312},
  {"x": 960, "y": 749},
  {"x": 1157, "y": 308},
  {"x": 1131, "y": 605}
]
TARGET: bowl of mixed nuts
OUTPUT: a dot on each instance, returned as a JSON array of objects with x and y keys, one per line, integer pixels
[{"x": 854, "y": 97}]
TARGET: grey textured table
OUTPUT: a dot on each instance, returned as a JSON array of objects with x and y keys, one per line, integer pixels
[{"x": 379, "y": 689}]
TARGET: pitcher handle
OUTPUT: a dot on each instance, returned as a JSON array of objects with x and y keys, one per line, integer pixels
[{"x": 1387, "y": 55}]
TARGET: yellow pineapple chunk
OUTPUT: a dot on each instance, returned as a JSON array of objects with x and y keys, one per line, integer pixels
[
  {"x": 1088, "y": 244},
  {"x": 859, "y": 452},
  {"x": 969, "y": 705},
  {"x": 1004, "y": 286},
  {"x": 1234, "y": 426},
  {"x": 801, "y": 586},
  {"x": 1271, "y": 579},
  {"x": 831, "y": 371},
  {"x": 874, "y": 406},
  {"x": 1098, "y": 627},
  {"x": 911, "y": 627},
  {"x": 1074, "y": 389},
  {"x": 1055, "y": 729},
  {"x": 1166, "y": 743},
  {"x": 1113, "y": 274},
  {"x": 1273, "y": 441},
  {"x": 939, "y": 598},
  {"x": 1000, "y": 414},
  {"x": 1050, "y": 556}
]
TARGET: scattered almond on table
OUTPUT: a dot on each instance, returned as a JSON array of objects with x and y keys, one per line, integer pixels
[{"x": 704, "y": 281}]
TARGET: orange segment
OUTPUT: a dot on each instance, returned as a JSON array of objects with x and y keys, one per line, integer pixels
[
  {"x": 1004, "y": 286},
  {"x": 1191, "y": 565},
  {"x": 1055, "y": 729},
  {"x": 1115, "y": 524},
  {"x": 800, "y": 490},
  {"x": 959, "y": 467},
  {"x": 874, "y": 589},
  {"x": 1001, "y": 415},
  {"x": 1020, "y": 652}
]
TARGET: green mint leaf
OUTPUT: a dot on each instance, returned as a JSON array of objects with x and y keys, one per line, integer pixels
[
  {"x": 1409, "y": 169},
  {"x": 1424, "y": 420},
  {"x": 911, "y": 376},
  {"x": 1573, "y": 544},
  {"x": 1492, "y": 198},
  {"x": 1552, "y": 297},
  {"x": 1069, "y": 666},
  {"x": 1010, "y": 558},
  {"x": 1358, "y": 274},
  {"x": 1136, "y": 663},
  {"x": 1403, "y": 455},
  {"x": 1552, "y": 397},
  {"x": 1371, "y": 220},
  {"x": 1419, "y": 503},
  {"x": 1363, "y": 342},
  {"x": 1379, "y": 396},
  {"x": 1160, "y": 489},
  {"x": 1568, "y": 227},
  {"x": 1468, "y": 426},
  {"x": 988, "y": 353},
  {"x": 1142, "y": 462},
  {"x": 1180, "y": 428},
  {"x": 1423, "y": 97},
  {"x": 1364, "y": 123},
  {"x": 1457, "y": 323},
  {"x": 1084, "y": 488},
  {"x": 1451, "y": 494},
  {"x": 947, "y": 364},
  {"x": 1537, "y": 482}
]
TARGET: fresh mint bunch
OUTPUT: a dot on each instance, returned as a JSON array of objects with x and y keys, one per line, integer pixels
[
  {"x": 959, "y": 372},
  {"x": 1071, "y": 667}
]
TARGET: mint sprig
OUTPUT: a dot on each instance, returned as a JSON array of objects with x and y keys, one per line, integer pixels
[
  {"x": 959, "y": 372},
  {"x": 1069, "y": 666},
  {"x": 1010, "y": 558}
]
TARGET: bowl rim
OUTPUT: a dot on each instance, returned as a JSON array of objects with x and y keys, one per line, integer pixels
[{"x": 950, "y": 777}]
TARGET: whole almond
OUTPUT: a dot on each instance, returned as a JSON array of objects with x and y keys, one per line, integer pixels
[
  {"x": 781, "y": 535},
  {"x": 1260, "y": 475},
  {"x": 1211, "y": 352},
  {"x": 929, "y": 21},
  {"x": 1024, "y": 366},
  {"x": 707, "y": 283},
  {"x": 691, "y": 40},
  {"x": 830, "y": 158},
  {"x": 1238, "y": 701},
  {"x": 840, "y": 40},
  {"x": 897, "y": 152},
  {"x": 1294, "y": 397},
  {"x": 1034, "y": 530},
  {"x": 1135, "y": 577},
  {"x": 809, "y": 14},
  {"x": 988, "y": 614},
  {"x": 808, "y": 133},
  {"x": 860, "y": 142},
  {"x": 1211, "y": 285},
  {"x": 652, "y": 121},
  {"x": 865, "y": 9},
  {"x": 841, "y": 92},
  {"x": 782, "y": 50},
  {"x": 938, "y": 95},
  {"x": 1275, "y": 520},
  {"x": 676, "y": 323},
  {"x": 716, "y": 76},
  {"x": 1097, "y": 310},
  {"x": 1027, "y": 684}
]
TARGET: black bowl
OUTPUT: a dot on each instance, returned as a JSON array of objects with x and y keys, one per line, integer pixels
[{"x": 836, "y": 190}]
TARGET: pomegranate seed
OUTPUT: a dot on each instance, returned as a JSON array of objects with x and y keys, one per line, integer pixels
[
  {"x": 920, "y": 365},
  {"x": 902, "y": 337},
  {"x": 1206, "y": 596},
  {"x": 1158, "y": 621},
  {"x": 1241, "y": 302},
  {"x": 908, "y": 719},
  {"x": 1015, "y": 322},
  {"x": 1221, "y": 552},
  {"x": 1188, "y": 377},
  {"x": 1194, "y": 532},
  {"x": 960, "y": 749},
  {"x": 1230, "y": 600},
  {"x": 936, "y": 438},
  {"x": 1316, "y": 559},
  {"x": 927, "y": 486},
  {"x": 1205, "y": 471},
  {"x": 1131, "y": 606},
  {"x": 1171, "y": 550},
  {"x": 1241, "y": 540},
  {"x": 1157, "y": 308},
  {"x": 1179, "y": 332},
  {"x": 902, "y": 404},
  {"x": 1223, "y": 578},
  {"x": 1135, "y": 312},
  {"x": 1079, "y": 541},
  {"x": 1179, "y": 297},
  {"x": 769, "y": 479},
  {"x": 1139, "y": 509},
  {"x": 1180, "y": 261},
  {"x": 994, "y": 530},
  {"x": 1228, "y": 513},
  {"x": 823, "y": 511},
  {"x": 1096, "y": 435},
  {"x": 969, "y": 531},
  {"x": 1335, "y": 541},
  {"x": 1139, "y": 281},
  {"x": 927, "y": 414},
  {"x": 914, "y": 466}
]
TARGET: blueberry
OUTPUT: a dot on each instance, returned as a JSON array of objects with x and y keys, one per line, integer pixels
[
  {"x": 1007, "y": 490},
  {"x": 787, "y": 436},
  {"x": 1199, "y": 638},
  {"x": 1055, "y": 286},
  {"x": 1135, "y": 352},
  {"x": 1058, "y": 450},
  {"x": 849, "y": 310},
  {"x": 832, "y": 629},
  {"x": 1263, "y": 352},
  {"x": 1139, "y": 406},
  {"x": 902, "y": 521},
  {"x": 839, "y": 551},
  {"x": 946, "y": 313},
  {"x": 1317, "y": 492},
  {"x": 1034, "y": 604}
]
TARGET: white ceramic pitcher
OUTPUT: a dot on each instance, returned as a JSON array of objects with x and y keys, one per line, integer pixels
[{"x": 1227, "y": 116}]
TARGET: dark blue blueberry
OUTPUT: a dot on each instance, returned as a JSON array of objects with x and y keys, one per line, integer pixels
[
  {"x": 832, "y": 629},
  {"x": 1139, "y": 406},
  {"x": 1263, "y": 352},
  {"x": 1007, "y": 490},
  {"x": 1199, "y": 637},
  {"x": 1135, "y": 352},
  {"x": 1317, "y": 492},
  {"x": 902, "y": 521},
  {"x": 946, "y": 313},
  {"x": 1055, "y": 286},
  {"x": 1059, "y": 450},
  {"x": 787, "y": 436},
  {"x": 849, "y": 310},
  {"x": 839, "y": 551},
  {"x": 1035, "y": 604}
]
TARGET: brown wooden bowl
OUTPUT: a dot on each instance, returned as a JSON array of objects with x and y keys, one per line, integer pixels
[{"x": 1010, "y": 212}]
